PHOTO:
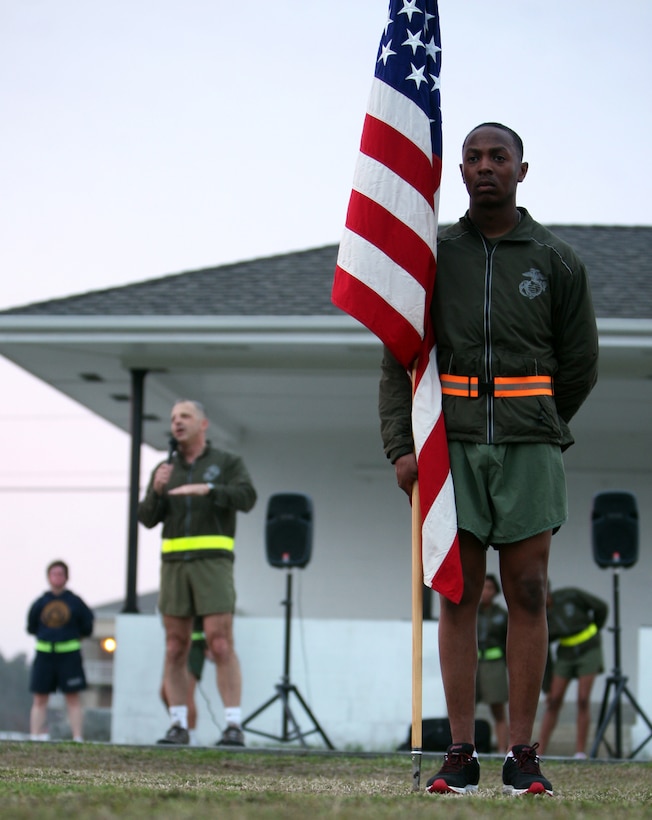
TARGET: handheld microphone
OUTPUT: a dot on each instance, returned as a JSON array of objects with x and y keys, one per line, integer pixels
[{"x": 172, "y": 448}]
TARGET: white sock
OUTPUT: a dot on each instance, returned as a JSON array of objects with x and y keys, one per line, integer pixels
[
  {"x": 44, "y": 736},
  {"x": 179, "y": 714},
  {"x": 233, "y": 715},
  {"x": 192, "y": 734}
]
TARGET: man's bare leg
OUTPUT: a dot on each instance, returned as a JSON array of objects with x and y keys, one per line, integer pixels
[
  {"x": 75, "y": 714},
  {"x": 178, "y": 632},
  {"x": 38, "y": 716},
  {"x": 219, "y": 637},
  {"x": 458, "y": 641},
  {"x": 554, "y": 701},
  {"x": 499, "y": 715},
  {"x": 524, "y": 575},
  {"x": 584, "y": 686}
]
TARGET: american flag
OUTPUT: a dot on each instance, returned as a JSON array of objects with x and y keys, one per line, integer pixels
[{"x": 387, "y": 262}]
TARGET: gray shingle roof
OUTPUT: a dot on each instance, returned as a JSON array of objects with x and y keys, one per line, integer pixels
[{"x": 299, "y": 283}]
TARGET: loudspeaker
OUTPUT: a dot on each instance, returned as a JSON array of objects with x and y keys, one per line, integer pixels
[
  {"x": 615, "y": 529},
  {"x": 289, "y": 530}
]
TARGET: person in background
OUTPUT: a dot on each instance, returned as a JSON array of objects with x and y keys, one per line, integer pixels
[
  {"x": 59, "y": 619},
  {"x": 575, "y": 621},
  {"x": 491, "y": 677},
  {"x": 196, "y": 495}
]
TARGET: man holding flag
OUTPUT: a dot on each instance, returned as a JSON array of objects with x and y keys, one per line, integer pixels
[{"x": 516, "y": 356}]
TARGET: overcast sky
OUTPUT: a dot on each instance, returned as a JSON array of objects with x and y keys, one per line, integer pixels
[{"x": 147, "y": 137}]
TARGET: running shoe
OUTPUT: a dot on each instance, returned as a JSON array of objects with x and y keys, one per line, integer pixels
[
  {"x": 522, "y": 773},
  {"x": 460, "y": 772},
  {"x": 176, "y": 735},
  {"x": 231, "y": 736}
]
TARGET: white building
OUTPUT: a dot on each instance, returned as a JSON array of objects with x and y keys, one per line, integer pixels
[{"x": 291, "y": 384}]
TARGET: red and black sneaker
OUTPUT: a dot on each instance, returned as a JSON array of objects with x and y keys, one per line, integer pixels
[
  {"x": 522, "y": 774},
  {"x": 460, "y": 772}
]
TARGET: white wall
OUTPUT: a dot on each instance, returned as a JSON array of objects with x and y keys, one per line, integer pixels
[
  {"x": 641, "y": 731},
  {"x": 355, "y": 677},
  {"x": 360, "y": 566}
]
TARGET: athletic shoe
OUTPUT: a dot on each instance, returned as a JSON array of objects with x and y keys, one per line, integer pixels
[
  {"x": 232, "y": 736},
  {"x": 460, "y": 772},
  {"x": 521, "y": 772},
  {"x": 176, "y": 735}
]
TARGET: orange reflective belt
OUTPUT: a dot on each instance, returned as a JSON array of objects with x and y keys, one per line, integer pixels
[{"x": 502, "y": 387}]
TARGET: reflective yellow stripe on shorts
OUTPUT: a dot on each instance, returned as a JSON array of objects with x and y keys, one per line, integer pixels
[
  {"x": 197, "y": 542},
  {"x": 58, "y": 646},
  {"x": 581, "y": 637}
]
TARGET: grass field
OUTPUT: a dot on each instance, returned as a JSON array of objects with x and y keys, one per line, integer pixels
[{"x": 68, "y": 780}]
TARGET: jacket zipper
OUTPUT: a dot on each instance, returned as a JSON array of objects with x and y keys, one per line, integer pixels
[{"x": 488, "y": 372}]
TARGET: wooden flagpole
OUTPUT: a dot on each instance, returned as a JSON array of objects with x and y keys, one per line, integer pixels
[
  {"x": 417, "y": 630},
  {"x": 417, "y": 640}
]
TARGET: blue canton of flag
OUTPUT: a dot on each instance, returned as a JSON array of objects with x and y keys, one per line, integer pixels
[{"x": 409, "y": 58}]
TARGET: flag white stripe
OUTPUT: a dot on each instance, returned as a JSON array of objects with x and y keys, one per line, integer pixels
[
  {"x": 397, "y": 110},
  {"x": 392, "y": 192},
  {"x": 367, "y": 263},
  {"x": 439, "y": 530},
  {"x": 426, "y": 405}
]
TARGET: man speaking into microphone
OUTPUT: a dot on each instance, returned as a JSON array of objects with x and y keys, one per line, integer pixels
[{"x": 196, "y": 494}]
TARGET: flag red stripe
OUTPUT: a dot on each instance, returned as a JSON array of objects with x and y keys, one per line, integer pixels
[
  {"x": 365, "y": 305},
  {"x": 448, "y": 578},
  {"x": 394, "y": 238},
  {"x": 434, "y": 453},
  {"x": 394, "y": 150}
]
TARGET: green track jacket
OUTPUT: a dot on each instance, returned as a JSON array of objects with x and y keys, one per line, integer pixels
[
  {"x": 516, "y": 306},
  {"x": 212, "y": 514}
]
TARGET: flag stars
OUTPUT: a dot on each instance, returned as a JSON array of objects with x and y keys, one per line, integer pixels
[
  {"x": 414, "y": 41},
  {"x": 417, "y": 75},
  {"x": 386, "y": 52},
  {"x": 409, "y": 8},
  {"x": 432, "y": 49}
]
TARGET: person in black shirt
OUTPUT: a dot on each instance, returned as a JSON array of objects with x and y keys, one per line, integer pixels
[{"x": 59, "y": 619}]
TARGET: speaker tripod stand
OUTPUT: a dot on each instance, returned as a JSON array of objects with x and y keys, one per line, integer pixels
[
  {"x": 290, "y": 727},
  {"x": 618, "y": 683}
]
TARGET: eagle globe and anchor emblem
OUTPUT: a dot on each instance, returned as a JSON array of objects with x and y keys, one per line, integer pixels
[{"x": 534, "y": 284}]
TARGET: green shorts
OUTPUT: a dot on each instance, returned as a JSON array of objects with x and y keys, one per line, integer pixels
[
  {"x": 508, "y": 492},
  {"x": 491, "y": 682},
  {"x": 590, "y": 662},
  {"x": 202, "y": 586}
]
